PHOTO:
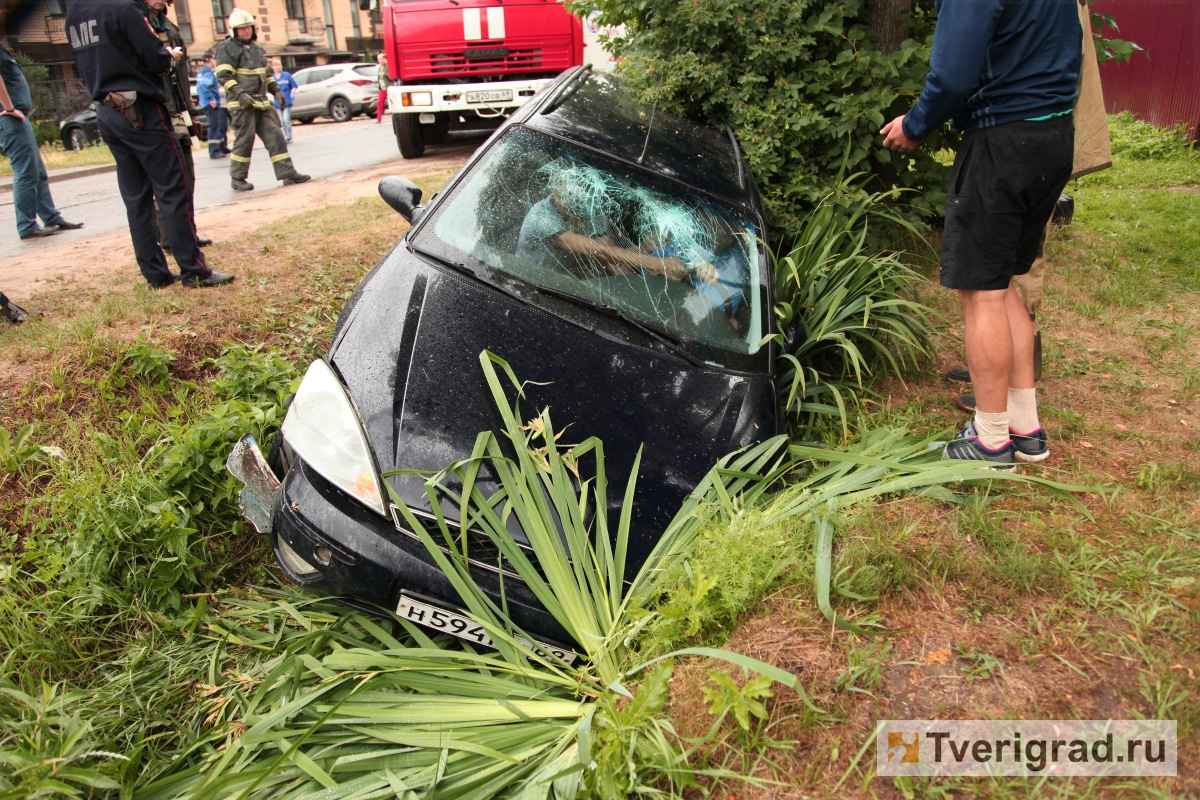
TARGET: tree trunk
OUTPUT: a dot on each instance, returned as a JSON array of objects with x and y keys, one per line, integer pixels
[{"x": 888, "y": 18}]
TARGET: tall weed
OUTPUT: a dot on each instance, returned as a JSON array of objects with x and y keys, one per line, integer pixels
[{"x": 844, "y": 309}]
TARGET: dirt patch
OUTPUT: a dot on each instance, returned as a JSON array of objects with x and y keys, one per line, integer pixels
[{"x": 94, "y": 262}]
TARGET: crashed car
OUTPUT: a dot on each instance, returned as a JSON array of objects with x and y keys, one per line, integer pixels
[{"x": 615, "y": 256}]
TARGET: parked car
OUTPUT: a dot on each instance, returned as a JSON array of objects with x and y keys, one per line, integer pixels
[
  {"x": 616, "y": 257},
  {"x": 337, "y": 91},
  {"x": 80, "y": 130}
]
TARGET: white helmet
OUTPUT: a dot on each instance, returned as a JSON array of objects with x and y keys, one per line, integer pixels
[{"x": 240, "y": 19}]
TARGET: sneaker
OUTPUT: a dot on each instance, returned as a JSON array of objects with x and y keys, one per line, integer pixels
[
  {"x": 241, "y": 185},
  {"x": 291, "y": 180},
  {"x": 967, "y": 447},
  {"x": 214, "y": 279},
  {"x": 1030, "y": 447}
]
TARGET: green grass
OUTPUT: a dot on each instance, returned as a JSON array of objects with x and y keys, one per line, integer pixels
[{"x": 56, "y": 157}]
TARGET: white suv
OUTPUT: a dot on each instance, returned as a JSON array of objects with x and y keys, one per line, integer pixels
[{"x": 337, "y": 91}]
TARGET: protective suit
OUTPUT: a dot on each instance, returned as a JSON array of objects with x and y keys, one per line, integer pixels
[{"x": 243, "y": 71}]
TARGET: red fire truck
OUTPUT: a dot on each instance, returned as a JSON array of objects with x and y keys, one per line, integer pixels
[{"x": 467, "y": 64}]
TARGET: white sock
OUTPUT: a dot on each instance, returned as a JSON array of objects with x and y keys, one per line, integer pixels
[
  {"x": 1022, "y": 410},
  {"x": 992, "y": 429}
]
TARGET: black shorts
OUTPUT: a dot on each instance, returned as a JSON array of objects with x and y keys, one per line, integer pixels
[{"x": 1003, "y": 188}]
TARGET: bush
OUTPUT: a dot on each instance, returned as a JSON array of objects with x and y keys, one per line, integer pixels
[
  {"x": 1139, "y": 140},
  {"x": 800, "y": 83}
]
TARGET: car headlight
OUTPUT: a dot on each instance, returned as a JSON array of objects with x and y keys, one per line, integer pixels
[
  {"x": 322, "y": 427},
  {"x": 416, "y": 99}
]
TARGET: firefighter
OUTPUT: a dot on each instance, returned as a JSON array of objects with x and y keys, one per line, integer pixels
[
  {"x": 243, "y": 70},
  {"x": 179, "y": 103},
  {"x": 122, "y": 63}
]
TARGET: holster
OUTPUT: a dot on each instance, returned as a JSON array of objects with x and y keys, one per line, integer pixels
[{"x": 126, "y": 103}]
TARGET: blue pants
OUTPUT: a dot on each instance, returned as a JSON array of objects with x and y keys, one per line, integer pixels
[
  {"x": 31, "y": 188},
  {"x": 218, "y": 126},
  {"x": 150, "y": 166},
  {"x": 285, "y": 119}
]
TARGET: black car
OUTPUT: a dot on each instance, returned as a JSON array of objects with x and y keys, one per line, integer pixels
[
  {"x": 80, "y": 130},
  {"x": 614, "y": 255}
]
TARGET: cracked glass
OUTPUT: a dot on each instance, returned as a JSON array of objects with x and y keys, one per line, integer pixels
[{"x": 610, "y": 235}]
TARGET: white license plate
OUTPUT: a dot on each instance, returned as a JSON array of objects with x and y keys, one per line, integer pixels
[
  {"x": 466, "y": 628},
  {"x": 494, "y": 96}
]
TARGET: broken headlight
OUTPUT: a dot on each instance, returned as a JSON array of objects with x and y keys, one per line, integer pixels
[{"x": 322, "y": 427}]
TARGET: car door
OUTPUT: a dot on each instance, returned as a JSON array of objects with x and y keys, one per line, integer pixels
[
  {"x": 316, "y": 90},
  {"x": 302, "y": 98}
]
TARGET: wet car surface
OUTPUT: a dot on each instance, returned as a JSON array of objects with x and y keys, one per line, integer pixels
[{"x": 633, "y": 297}]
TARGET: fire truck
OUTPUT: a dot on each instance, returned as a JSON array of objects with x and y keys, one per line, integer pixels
[{"x": 459, "y": 65}]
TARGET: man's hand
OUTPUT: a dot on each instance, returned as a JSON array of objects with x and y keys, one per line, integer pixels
[
  {"x": 246, "y": 101},
  {"x": 706, "y": 272},
  {"x": 212, "y": 103},
  {"x": 16, "y": 112},
  {"x": 894, "y": 138},
  {"x": 176, "y": 54},
  {"x": 279, "y": 97}
]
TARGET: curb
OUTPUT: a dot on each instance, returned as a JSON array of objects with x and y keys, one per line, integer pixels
[{"x": 65, "y": 174}]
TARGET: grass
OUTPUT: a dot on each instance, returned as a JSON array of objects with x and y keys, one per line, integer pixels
[
  {"x": 1010, "y": 604},
  {"x": 55, "y": 156}
]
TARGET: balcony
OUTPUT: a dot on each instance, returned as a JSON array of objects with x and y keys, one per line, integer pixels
[{"x": 305, "y": 31}]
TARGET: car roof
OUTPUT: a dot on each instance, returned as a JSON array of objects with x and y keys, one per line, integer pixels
[
  {"x": 350, "y": 64},
  {"x": 605, "y": 115}
]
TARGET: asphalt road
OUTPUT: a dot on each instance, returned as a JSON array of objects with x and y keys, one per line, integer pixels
[{"x": 323, "y": 149}]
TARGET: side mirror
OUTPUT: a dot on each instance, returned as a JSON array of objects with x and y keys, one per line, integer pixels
[{"x": 403, "y": 195}]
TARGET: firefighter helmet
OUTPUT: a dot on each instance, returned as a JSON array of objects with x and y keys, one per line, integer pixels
[{"x": 240, "y": 19}]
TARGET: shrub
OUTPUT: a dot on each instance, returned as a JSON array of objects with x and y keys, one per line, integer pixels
[
  {"x": 1139, "y": 140},
  {"x": 798, "y": 80}
]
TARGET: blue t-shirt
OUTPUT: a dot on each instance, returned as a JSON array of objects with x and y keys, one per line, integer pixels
[
  {"x": 287, "y": 85},
  {"x": 206, "y": 87},
  {"x": 14, "y": 81},
  {"x": 543, "y": 224}
]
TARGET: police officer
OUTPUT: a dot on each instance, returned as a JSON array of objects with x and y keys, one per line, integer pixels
[
  {"x": 243, "y": 70},
  {"x": 122, "y": 62},
  {"x": 179, "y": 103}
]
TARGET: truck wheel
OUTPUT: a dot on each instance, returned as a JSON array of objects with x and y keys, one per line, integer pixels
[
  {"x": 339, "y": 109},
  {"x": 408, "y": 135}
]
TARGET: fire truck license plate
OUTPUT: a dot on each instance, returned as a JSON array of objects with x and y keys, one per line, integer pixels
[
  {"x": 466, "y": 628},
  {"x": 494, "y": 96}
]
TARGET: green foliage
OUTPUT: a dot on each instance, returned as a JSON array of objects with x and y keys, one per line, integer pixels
[
  {"x": 1117, "y": 51},
  {"x": 745, "y": 701},
  {"x": 18, "y": 452},
  {"x": 799, "y": 82},
  {"x": 149, "y": 512},
  {"x": 45, "y": 126},
  {"x": 145, "y": 360},
  {"x": 1139, "y": 140},
  {"x": 843, "y": 308}
]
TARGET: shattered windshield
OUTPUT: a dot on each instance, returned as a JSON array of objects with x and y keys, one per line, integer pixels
[{"x": 571, "y": 221}]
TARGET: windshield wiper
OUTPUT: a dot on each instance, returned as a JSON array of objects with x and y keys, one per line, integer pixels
[{"x": 670, "y": 342}]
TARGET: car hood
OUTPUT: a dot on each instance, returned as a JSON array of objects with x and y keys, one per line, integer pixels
[{"x": 407, "y": 347}]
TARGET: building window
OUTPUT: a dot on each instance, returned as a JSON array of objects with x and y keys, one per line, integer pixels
[
  {"x": 56, "y": 8},
  {"x": 295, "y": 9},
  {"x": 221, "y": 11},
  {"x": 354, "y": 18},
  {"x": 183, "y": 19}
]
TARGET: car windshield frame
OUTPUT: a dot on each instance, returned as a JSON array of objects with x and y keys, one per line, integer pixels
[{"x": 703, "y": 337}]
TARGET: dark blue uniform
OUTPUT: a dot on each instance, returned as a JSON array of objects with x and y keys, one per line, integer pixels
[{"x": 116, "y": 51}]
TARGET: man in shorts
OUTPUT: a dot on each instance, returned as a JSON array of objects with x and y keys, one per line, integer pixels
[{"x": 1007, "y": 74}]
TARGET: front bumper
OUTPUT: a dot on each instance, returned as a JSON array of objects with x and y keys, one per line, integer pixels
[
  {"x": 333, "y": 545},
  {"x": 454, "y": 97}
]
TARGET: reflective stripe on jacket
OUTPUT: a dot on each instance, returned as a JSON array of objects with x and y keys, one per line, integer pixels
[{"x": 242, "y": 69}]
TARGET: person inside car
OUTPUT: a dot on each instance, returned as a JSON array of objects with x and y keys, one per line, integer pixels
[{"x": 576, "y": 218}]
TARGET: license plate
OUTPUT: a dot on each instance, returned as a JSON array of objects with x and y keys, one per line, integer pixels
[
  {"x": 494, "y": 96},
  {"x": 439, "y": 619}
]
